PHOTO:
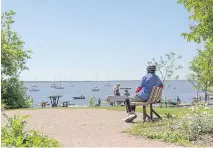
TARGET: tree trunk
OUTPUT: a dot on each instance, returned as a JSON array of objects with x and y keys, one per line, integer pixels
[
  {"x": 197, "y": 99},
  {"x": 205, "y": 96}
]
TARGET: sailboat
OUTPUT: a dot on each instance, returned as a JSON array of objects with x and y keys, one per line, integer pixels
[
  {"x": 70, "y": 85},
  {"x": 96, "y": 87},
  {"x": 108, "y": 85},
  {"x": 34, "y": 89},
  {"x": 59, "y": 86},
  {"x": 35, "y": 85},
  {"x": 53, "y": 85}
]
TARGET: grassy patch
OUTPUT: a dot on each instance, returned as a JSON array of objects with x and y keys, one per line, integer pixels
[
  {"x": 192, "y": 127},
  {"x": 162, "y": 111},
  {"x": 158, "y": 130}
]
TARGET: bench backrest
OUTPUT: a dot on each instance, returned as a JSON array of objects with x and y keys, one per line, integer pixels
[{"x": 155, "y": 95}]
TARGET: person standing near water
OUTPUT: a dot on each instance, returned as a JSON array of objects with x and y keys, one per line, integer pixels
[
  {"x": 178, "y": 100},
  {"x": 116, "y": 90},
  {"x": 99, "y": 102},
  {"x": 126, "y": 93}
]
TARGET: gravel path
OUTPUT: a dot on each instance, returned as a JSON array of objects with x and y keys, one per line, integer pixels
[{"x": 85, "y": 127}]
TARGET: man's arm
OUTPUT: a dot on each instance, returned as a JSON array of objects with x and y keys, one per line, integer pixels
[{"x": 141, "y": 85}]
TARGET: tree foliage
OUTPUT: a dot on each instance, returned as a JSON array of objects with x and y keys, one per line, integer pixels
[
  {"x": 202, "y": 68},
  {"x": 166, "y": 66},
  {"x": 13, "y": 61},
  {"x": 14, "y": 95},
  {"x": 16, "y": 134},
  {"x": 202, "y": 17},
  {"x": 13, "y": 56}
]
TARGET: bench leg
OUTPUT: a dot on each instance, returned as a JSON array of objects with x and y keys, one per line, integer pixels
[
  {"x": 153, "y": 111},
  {"x": 144, "y": 113}
]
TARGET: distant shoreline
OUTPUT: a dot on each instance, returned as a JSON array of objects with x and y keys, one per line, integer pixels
[{"x": 89, "y": 81}]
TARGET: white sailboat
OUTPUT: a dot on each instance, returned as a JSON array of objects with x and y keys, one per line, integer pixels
[
  {"x": 70, "y": 85},
  {"x": 59, "y": 86},
  {"x": 34, "y": 85},
  {"x": 96, "y": 87},
  {"x": 108, "y": 84},
  {"x": 33, "y": 89},
  {"x": 53, "y": 85}
]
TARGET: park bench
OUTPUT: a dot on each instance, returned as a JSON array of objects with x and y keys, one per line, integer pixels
[{"x": 153, "y": 99}]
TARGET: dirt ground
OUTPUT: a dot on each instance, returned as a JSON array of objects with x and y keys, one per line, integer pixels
[{"x": 85, "y": 127}]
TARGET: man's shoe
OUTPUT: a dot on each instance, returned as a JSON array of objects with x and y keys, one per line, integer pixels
[{"x": 130, "y": 118}]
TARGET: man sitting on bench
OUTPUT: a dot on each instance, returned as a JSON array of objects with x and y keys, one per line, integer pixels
[{"x": 143, "y": 91}]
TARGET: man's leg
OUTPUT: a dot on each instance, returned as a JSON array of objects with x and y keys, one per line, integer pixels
[
  {"x": 130, "y": 110},
  {"x": 128, "y": 106}
]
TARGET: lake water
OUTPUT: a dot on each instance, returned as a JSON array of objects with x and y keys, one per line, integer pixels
[{"x": 180, "y": 88}]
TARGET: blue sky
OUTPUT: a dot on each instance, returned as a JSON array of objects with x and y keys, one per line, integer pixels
[{"x": 113, "y": 38}]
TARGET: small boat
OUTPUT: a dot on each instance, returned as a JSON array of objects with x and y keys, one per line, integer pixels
[
  {"x": 81, "y": 97},
  {"x": 34, "y": 86},
  {"x": 59, "y": 87},
  {"x": 34, "y": 89},
  {"x": 95, "y": 89},
  {"x": 53, "y": 86}
]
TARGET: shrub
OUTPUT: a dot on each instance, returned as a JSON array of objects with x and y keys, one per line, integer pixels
[
  {"x": 92, "y": 101},
  {"x": 193, "y": 126},
  {"x": 14, "y": 95},
  {"x": 14, "y": 134},
  {"x": 196, "y": 120}
]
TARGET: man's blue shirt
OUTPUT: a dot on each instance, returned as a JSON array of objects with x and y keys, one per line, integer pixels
[{"x": 147, "y": 82}]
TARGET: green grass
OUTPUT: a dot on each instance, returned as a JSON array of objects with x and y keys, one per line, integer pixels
[
  {"x": 160, "y": 131},
  {"x": 178, "y": 129},
  {"x": 171, "y": 110}
]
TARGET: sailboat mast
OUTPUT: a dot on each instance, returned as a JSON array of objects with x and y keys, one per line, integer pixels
[
  {"x": 36, "y": 81},
  {"x": 96, "y": 76},
  {"x": 108, "y": 80}
]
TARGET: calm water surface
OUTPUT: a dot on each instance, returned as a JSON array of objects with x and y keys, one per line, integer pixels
[{"x": 180, "y": 88}]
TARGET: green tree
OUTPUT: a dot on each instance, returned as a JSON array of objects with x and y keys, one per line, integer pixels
[
  {"x": 13, "y": 62},
  {"x": 202, "y": 18},
  {"x": 167, "y": 69},
  {"x": 202, "y": 68},
  {"x": 194, "y": 79},
  {"x": 166, "y": 66}
]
